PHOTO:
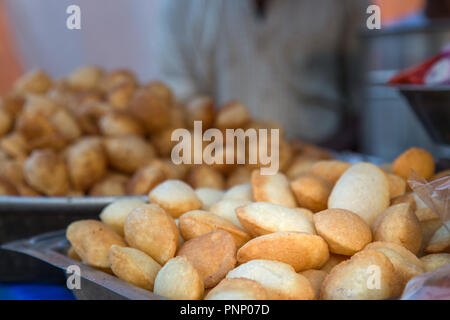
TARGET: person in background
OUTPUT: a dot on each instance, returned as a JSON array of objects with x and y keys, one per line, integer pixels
[{"x": 292, "y": 61}]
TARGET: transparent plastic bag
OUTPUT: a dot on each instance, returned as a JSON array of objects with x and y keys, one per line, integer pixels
[{"x": 434, "y": 285}]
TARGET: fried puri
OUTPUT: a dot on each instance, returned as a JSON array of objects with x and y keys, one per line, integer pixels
[
  {"x": 128, "y": 153},
  {"x": 47, "y": 172},
  {"x": 279, "y": 279},
  {"x": 86, "y": 162},
  {"x": 92, "y": 240},
  {"x": 115, "y": 214},
  {"x": 311, "y": 191},
  {"x": 261, "y": 218},
  {"x": 133, "y": 266},
  {"x": 208, "y": 197},
  {"x": 400, "y": 225},
  {"x": 179, "y": 280},
  {"x": 345, "y": 232},
  {"x": 419, "y": 160},
  {"x": 272, "y": 188},
  {"x": 237, "y": 289},
  {"x": 212, "y": 254},
  {"x": 302, "y": 251},
  {"x": 226, "y": 209},
  {"x": 152, "y": 230},
  {"x": 196, "y": 223},
  {"x": 176, "y": 197},
  {"x": 330, "y": 170},
  {"x": 368, "y": 275},
  {"x": 362, "y": 189}
]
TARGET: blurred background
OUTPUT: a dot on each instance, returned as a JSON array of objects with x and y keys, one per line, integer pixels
[
  {"x": 122, "y": 34},
  {"x": 256, "y": 60}
]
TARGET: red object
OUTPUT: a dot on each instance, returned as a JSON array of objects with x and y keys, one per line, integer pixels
[{"x": 429, "y": 72}]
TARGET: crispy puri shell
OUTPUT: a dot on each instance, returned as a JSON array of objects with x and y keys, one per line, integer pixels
[
  {"x": 300, "y": 250},
  {"x": 213, "y": 255}
]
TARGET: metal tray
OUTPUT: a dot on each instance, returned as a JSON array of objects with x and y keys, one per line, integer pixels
[
  {"x": 95, "y": 285},
  {"x": 51, "y": 248},
  {"x": 24, "y": 217}
]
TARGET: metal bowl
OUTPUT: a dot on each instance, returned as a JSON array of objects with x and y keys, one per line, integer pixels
[{"x": 431, "y": 104}]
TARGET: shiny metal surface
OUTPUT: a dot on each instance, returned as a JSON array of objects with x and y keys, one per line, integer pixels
[{"x": 95, "y": 284}]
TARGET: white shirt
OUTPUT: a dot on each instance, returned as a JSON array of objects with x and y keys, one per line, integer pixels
[{"x": 284, "y": 67}]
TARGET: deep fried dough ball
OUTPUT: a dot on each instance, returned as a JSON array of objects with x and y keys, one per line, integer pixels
[
  {"x": 89, "y": 115},
  {"x": 86, "y": 162},
  {"x": 15, "y": 145},
  {"x": 86, "y": 77},
  {"x": 6, "y": 121},
  {"x": 113, "y": 184},
  {"x": 118, "y": 123},
  {"x": 128, "y": 153},
  {"x": 152, "y": 105},
  {"x": 35, "y": 81},
  {"x": 119, "y": 96},
  {"x": 116, "y": 77},
  {"x": 46, "y": 171},
  {"x": 200, "y": 108},
  {"x": 417, "y": 159},
  {"x": 7, "y": 188}
]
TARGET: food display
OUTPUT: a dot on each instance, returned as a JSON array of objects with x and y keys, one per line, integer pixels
[
  {"x": 336, "y": 231},
  {"x": 102, "y": 133}
]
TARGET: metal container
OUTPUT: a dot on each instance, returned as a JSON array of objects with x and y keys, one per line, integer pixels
[
  {"x": 23, "y": 217},
  {"x": 51, "y": 248}
]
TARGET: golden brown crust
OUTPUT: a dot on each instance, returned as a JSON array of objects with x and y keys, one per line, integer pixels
[
  {"x": 133, "y": 266},
  {"x": 152, "y": 230},
  {"x": 408, "y": 198},
  {"x": 237, "y": 289},
  {"x": 368, "y": 275},
  {"x": 260, "y": 218},
  {"x": 362, "y": 189},
  {"x": 35, "y": 81},
  {"x": 397, "y": 186},
  {"x": 273, "y": 189},
  {"x": 435, "y": 261},
  {"x": 212, "y": 254},
  {"x": 47, "y": 172},
  {"x": 152, "y": 104},
  {"x": 316, "y": 278},
  {"x": 205, "y": 177},
  {"x": 345, "y": 232},
  {"x": 196, "y": 223},
  {"x": 115, "y": 214},
  {"x": 330, "y": 170},
  {"x": 86, "y": 162},
  {"x": 440, "y": 241},
  {"x": 333, "y": 261},
  {"x": 145, "y": 179},
  {"x": 176, "y": 197},
  {"x": 279, "y": 279},
  {"x": 179, "y": 280},
  {"x": 232, "y": 115},
  {"x": 311, "y": 191},
  {"x": 119, "y": 123},
  {"x": 421, "y": 161},
  {"x": 91, "y": 240},
  {"x": 128, "y": 153},
  {"x": 406, "y": 264},
  {"x": 400, "y": 225},
  {"x": 300, "y": 250},
  {"x": 113, "y": 184}
]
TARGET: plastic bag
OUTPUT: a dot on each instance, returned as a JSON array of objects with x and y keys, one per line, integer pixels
[{"x": 434, "y": 285}]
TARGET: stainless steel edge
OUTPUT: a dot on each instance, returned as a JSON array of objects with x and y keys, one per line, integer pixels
[{"x": 49, "y": 248}]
